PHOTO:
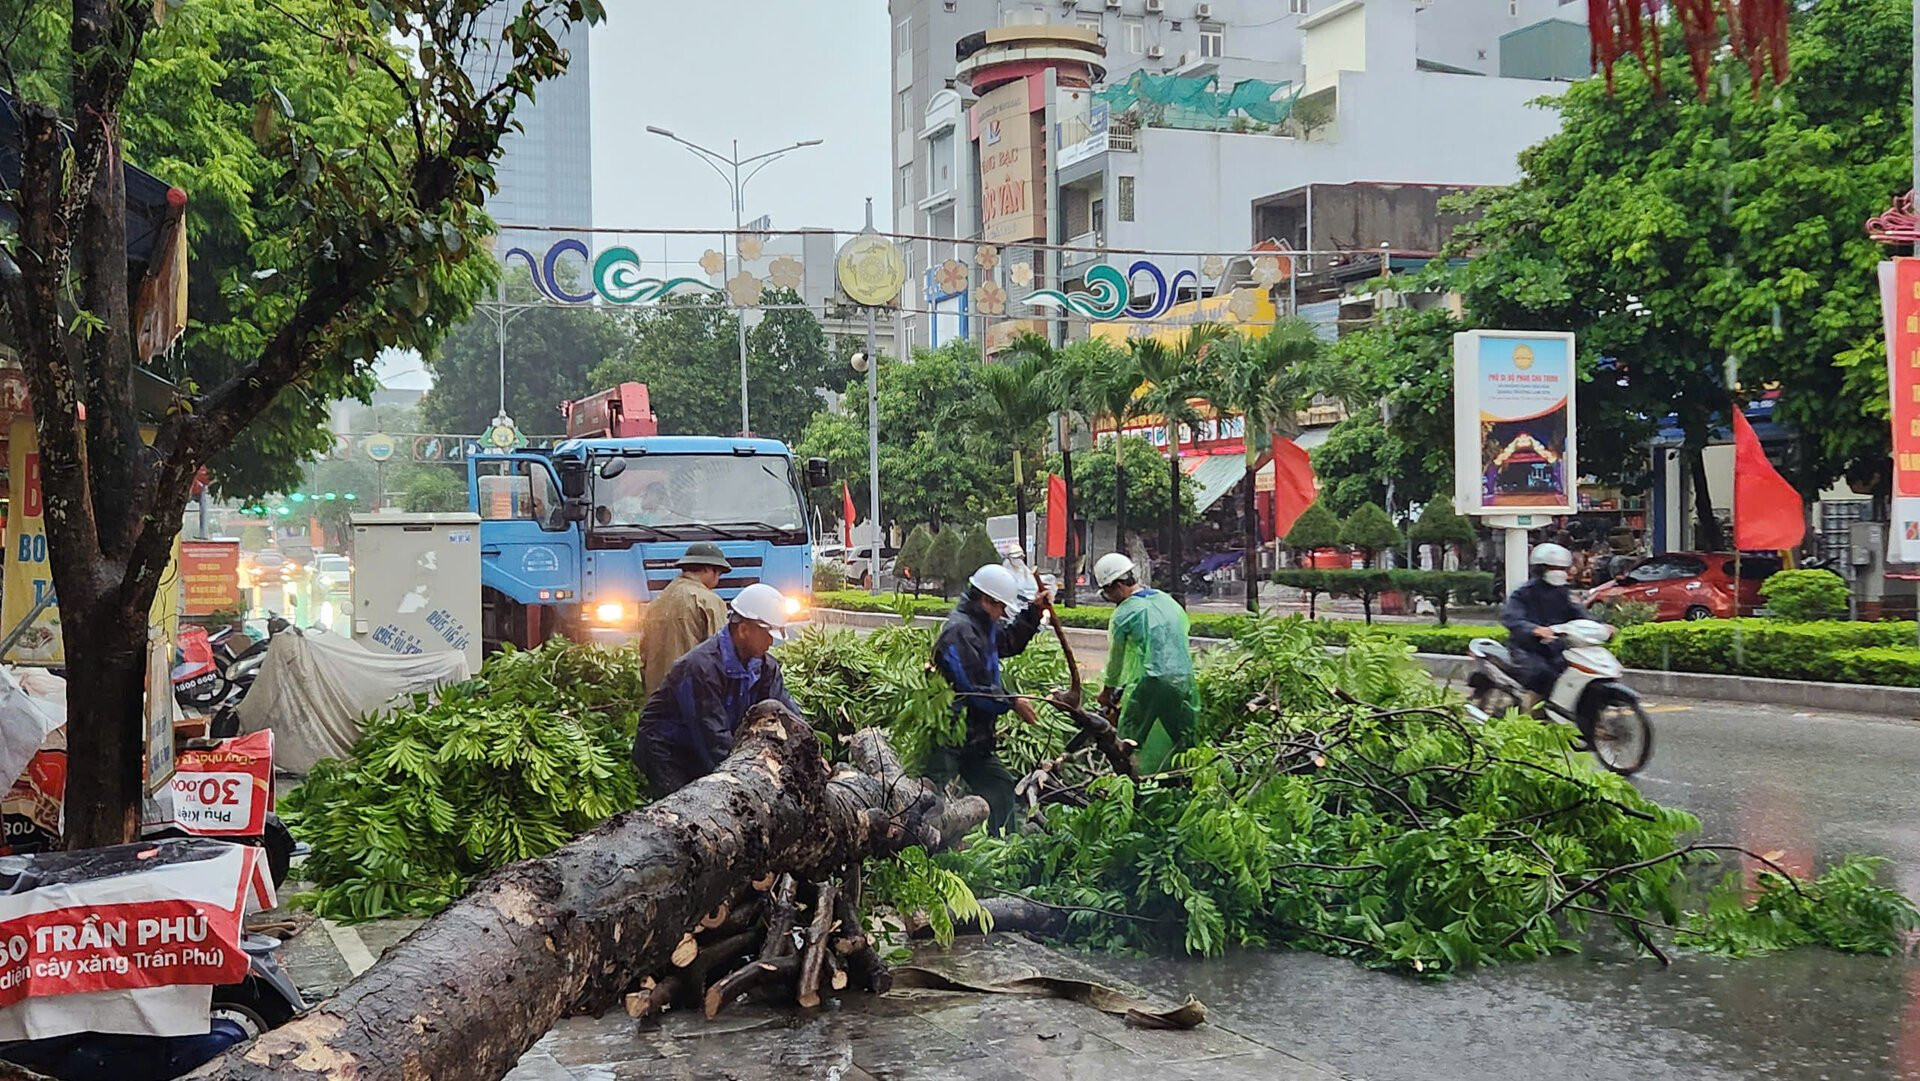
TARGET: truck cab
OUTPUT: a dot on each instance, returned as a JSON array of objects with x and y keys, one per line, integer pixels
[{"x": 577, "y": 540}]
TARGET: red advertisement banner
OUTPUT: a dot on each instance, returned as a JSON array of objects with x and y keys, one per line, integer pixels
[
  {"x": 225, "y": 791},
  {"x": 210, "y": 576},
  {"x": 82, "y": 948},
  {"x": 1903, "y": 376}
]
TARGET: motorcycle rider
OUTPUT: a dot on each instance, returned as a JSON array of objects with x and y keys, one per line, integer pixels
[{"x": 1530, "y": 614}]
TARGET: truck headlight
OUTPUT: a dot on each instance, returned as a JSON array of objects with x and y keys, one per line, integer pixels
[
  {"x": 609, "y": 612},
  {"x": 795, "y": 606}
]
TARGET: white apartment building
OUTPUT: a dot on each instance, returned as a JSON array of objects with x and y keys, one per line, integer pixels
[{"x": 1429, "y": 92}]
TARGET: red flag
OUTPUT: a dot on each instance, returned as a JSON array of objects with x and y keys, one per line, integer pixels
[
  {"x": 1056, "y": 516},
  {"x": 846, "y": 512},
  {"x": 1767, "y": 513},
  {"x": 1294, "y": 485}
]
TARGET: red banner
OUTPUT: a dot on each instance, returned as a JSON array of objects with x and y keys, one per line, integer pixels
[
  {"x": 74, "y": 950},
  {"x": 1056, "y": 516},
  {"x": 1767, "y": 512},
  {"x": 225, "y": 791},
  {"x": 1294, "y": 485},
  {"x": 210, "y": 573}
]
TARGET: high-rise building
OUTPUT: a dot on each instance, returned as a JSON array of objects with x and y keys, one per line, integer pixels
[
  {"x": 1429, "y": 92},
  {"x": 546, "y": 168}
]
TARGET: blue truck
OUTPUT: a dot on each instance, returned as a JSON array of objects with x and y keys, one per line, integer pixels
[{"x": 576, "y": 540}]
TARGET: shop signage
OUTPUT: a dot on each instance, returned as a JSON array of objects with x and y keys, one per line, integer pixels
[
  {"x": 1109, "y": 293},
  {"x": 209, "y": 577},
  {"x": 616, "y": 277},
  {"x": 1513, "y": 422},
  {"x": 1012, "y": 165},
  {"x": 1900, "y": 306}
]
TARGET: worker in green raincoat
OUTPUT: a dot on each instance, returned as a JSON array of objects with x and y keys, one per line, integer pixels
[{"x": 1149, "y": 665}]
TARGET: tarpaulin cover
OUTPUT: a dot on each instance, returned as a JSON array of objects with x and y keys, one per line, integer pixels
[{"x": 313, "y": 689}]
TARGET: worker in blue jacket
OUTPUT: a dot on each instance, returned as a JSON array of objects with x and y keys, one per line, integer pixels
[
  {"x": 967, "y": 653},
  {"x": 687, "y": 726}
]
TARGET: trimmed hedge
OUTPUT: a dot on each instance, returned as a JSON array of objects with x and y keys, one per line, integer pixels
[
  {"x": 1763, "y": 647},
  {"x": 1831, "y": 651}
]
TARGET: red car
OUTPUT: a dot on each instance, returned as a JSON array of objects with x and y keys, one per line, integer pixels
[{"x": 1691, "y": 585}]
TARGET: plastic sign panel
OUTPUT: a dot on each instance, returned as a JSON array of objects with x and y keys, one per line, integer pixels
[
  {"x": 1514, "y": 447},
  {"x": 1900, "y": 301},
  {"x": 210, "y": 576},
  {"x": 225, "y": 790}
]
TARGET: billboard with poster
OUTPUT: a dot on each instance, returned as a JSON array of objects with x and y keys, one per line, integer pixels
[
  {"x": 1900, "y": 308},
  {"x": 1514, "y": 434}
]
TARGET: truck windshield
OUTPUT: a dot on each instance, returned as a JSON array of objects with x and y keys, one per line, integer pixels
[{"x": 702, "y": 495}]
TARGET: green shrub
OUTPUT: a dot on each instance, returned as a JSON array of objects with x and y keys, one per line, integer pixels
[
  {"x": 944, "y": 557},
  {"x": 1803, "y": 596},
  {"x": 912, "y": 560},
  {"x": 1317, "y": 527},
  {"x": 829, "y": 575},
  {"x": 1444, "y": 588},
  {"x": 1308, "y": 580},
  {"x": 1370, "y": 530},
  {"x": 1886, "y": 666},
  {"x": 1756, "y": 647},
  {"x": 1624, "y": 614}
]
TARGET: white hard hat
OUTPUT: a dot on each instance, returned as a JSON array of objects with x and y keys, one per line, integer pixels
[
  {"x": 1111, "y": 568},
  {"x": 764, "y": 605},
  {"x": 997, "y": 582},
  {"x": 1551, "y": 555}
]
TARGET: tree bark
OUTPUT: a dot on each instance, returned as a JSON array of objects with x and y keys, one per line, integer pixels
[
  {"x": 815, "y": 954},
  {"x": 570, "y": 931},
  {"x": 1020, "y": 504},
  {"x": 1251, "y": 526},
  {"x": 1008, "y": 914},
  {"x": 1119, "y": 489},
  {"x": 1176, "y": 581},
  {"x": 1709, "y": 539}
]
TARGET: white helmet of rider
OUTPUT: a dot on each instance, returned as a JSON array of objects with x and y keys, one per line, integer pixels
[
  {"x": 1110, "y": 568},
  {"x": 997, "y": 582},
  {"x": 764, "y": 605},
  {"x": 1551, "y": 555}
]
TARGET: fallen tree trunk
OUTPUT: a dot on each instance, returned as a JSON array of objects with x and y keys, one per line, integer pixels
[{"x": 468, "y": 993}]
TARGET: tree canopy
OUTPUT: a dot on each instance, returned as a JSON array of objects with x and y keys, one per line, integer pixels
[
  {"x": 1317, "y": 527},
  {"x": 1370, "y": 530}
]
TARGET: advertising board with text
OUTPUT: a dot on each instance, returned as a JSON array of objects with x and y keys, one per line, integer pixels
[
  {"x": 1900, "y": 308},
  {"x": 1514, "y": 445},
  {"x": 209, "y": 577},
  {"x": 1012, "y": 165},
  {"x": 29, "y": 576},
  {"x": 225, "y": 790}
]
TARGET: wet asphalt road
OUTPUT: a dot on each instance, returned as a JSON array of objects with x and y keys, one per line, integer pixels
[{"x": 1812, "y": 786}]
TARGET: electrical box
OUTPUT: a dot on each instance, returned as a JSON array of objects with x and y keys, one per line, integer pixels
[
  {"x": 1867, "y": 555},
  {"x": 416, "y": 584}
]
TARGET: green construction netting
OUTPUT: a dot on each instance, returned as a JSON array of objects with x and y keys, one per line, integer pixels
[{"x": 1195, "y": 101}]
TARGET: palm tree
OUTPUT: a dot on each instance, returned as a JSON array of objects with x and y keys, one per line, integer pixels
[
  {"x": 1177, "y": 373},
  {"x": 1075, "y": 381},
  {"x": 1270, "y": 381},
  {"x": 1017, "y": 403},
  {"x": 1115, "y": 392}
]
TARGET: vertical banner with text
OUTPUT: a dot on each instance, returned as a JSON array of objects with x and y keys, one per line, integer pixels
[
  {"x": 210, "y": 576},
  {"x": 1900, "y": 300},
  {"x": 28, "y": 575}
]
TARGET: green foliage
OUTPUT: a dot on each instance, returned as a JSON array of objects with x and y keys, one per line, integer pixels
[
  {"x": 1773, "y": 649},
  {"x": 1439, "y": 525},
  {"x": 1624, "y": 614},
  {"x": 1802, "y": 596},
  {"x": 433, "y": 490},
  {"x": 1404, "y": 360},
  {"x": 945, "y": 558},
  {"x": 913, "y": 882},
  {"x": 912, "y": 562},
  {"x": 1148, "y": 484},
  {"x": 1315, "y": 528},
  {"x": 1444, "y": 588},
  {"x": 1392, "y": 833},
  {"x": 1885, "y": 666},
  {"x": 1370, "y": 530},
  {"x": 551, "y": 353},
  {"x": 504, "y": 767},
  {"x": 976, "y": 551},
  {"x": 829, "y": 576}
]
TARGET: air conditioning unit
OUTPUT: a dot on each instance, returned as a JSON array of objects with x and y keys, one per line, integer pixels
[
  {"x": 1155, "y": 52},
  {"x": 1113, "y": 5},
  {"x": 1203, "y": 11},
  {"x": 1155, "y": 7}
]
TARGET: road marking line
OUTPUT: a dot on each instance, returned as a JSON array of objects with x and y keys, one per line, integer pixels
[
  {"x": 1669, "y": 709},
  {"x": 353, "y": 949}
]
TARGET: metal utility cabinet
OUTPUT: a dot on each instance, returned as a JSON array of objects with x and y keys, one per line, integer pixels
[{"x": 416, "y": 584}]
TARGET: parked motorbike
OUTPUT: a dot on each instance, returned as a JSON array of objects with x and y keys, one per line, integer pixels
[{"x": 1589, "y": 694}]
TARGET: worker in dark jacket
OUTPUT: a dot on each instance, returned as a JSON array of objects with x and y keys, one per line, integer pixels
[
  {"x": 687, "y": 726},
  {"x": 1530, "y": 614},
  {"x": 967, "y": 654}
]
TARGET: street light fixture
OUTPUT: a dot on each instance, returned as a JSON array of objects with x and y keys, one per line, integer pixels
[{"x": 736, "y": 185}]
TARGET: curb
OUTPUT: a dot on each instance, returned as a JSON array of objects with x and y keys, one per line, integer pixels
[{"x": 1900, "y": 702}]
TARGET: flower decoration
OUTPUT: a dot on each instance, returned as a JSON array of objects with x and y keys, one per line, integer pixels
[
  {"x": 989, "y": 298},
  {"x": 952, "y": 277},
  {"x": 750, "y": 248},
  {"x": 713, "y": 262},
  {"x": 787, "y": 272},
  {"x": 1022, "y": 274},
  {"x": 1213, "y": 267},
  {"x": 744, "y": 290},
  {"x": 1244, "y": 304},
  {"x": 1266, "y": 270},
  {"x": 986, "y": 256}
]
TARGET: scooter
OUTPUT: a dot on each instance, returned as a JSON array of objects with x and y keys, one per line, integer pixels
[{"x": 1589, "y": 694}]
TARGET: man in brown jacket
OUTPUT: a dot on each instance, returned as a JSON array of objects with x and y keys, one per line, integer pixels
[{"x": 686, "y": 613}]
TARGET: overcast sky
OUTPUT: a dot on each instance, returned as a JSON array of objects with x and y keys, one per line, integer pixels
[{"x": 765, "y": 72}]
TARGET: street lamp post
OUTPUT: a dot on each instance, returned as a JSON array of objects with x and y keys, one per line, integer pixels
[
  {"x": 503, "y": 313},
  {"x": 736, "y": 185}
]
